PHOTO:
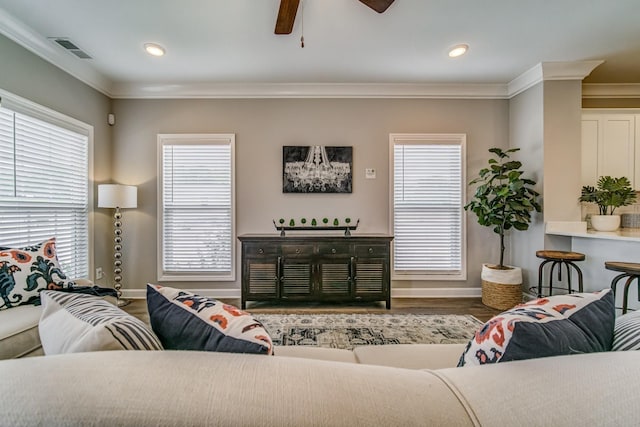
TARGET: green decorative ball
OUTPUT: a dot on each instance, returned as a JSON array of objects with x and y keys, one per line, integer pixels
[
  {"x": 281, "y": 220},
  {"x": 325, "y": 220},
  {"x": 347, "y": 220},
  {"x": 303, "y": 220}
]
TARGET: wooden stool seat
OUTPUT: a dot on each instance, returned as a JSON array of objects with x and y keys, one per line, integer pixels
[
  {"x": 560, "y": 255},
  {"x": 559, "y": 259},
  {"x": 629, "y": 271},
  {"x": 625, "y": 267}
]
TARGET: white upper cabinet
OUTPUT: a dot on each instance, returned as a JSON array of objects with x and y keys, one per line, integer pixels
[{"x": 610, "y": 146}]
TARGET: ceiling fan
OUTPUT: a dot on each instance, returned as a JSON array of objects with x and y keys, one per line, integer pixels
[{"x": 288, "y": 9}]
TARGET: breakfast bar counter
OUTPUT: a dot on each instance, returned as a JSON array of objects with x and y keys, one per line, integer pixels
[{"x": 600, "y": 247}]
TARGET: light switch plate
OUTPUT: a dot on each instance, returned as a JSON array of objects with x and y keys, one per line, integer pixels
[{"x": 370, "y": 173}]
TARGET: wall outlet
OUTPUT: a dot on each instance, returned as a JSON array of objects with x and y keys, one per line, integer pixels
[
  {"x": 99, "y": 273},
  {"x": 370, "y": 173}
]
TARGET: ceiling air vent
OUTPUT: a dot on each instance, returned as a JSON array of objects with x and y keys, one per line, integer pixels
[{"x": 69, "y": 46}]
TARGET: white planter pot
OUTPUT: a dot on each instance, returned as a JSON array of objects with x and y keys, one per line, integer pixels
[
  {"x": 501, "y": 289},
  {"x": 605, "y": 222}
]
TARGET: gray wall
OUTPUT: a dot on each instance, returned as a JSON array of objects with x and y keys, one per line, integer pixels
[
  {"x": 545, "y": 123},
  {"x": 262, "y": 127},
  {"x": 526, "y": 131},
  {"x": 28, "y": 76}
]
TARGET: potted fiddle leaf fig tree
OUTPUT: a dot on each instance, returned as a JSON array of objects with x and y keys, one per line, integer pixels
[
  {"x": 503, "y": 200},
  {"x": 609, "y": 194}
]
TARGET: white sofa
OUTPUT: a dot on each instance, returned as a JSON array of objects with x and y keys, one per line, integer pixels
[
  {"x": 178, "y": 388},
  {"x": 19, "y": 335}
]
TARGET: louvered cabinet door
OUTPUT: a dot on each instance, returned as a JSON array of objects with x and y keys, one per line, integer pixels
[
  {"x": 296, "y": 278},
  {"x": 334, "y": 278},
  {"x": 372, "y": 275},
  {"x": 259, "y": 279}
]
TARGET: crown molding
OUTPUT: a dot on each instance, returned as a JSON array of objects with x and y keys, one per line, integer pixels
[
  {"x": 38, "y": 44},
  {"x": 561, "y": 70},
  {"x": 310, "y": 90},
  {"x": 611, "y": 90}
]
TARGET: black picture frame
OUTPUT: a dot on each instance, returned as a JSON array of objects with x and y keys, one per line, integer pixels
[{"x": 317, "y": 169}]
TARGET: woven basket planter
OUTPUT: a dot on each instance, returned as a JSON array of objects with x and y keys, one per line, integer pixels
[{"x": 501, "y": 289}]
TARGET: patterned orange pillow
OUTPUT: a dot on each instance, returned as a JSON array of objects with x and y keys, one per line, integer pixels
[
  {"x": 185, "y": 321},
  {"x": 550, "y": 326}
]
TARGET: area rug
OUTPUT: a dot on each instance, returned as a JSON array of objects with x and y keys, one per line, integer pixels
[{"x": 345, "y": 331}]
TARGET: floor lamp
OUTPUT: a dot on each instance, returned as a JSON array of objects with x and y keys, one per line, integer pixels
[{"x": 117, "y": 197}]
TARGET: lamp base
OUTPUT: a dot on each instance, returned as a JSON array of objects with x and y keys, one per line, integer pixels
[{"x": 123, "y": 302}]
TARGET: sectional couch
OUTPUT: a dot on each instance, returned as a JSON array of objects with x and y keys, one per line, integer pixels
[
  {"x": 407, "y": 385},
  {"x": 191, "y": 388}
]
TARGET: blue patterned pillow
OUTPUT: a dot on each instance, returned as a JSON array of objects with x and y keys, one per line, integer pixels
[
  {"x": 24, "y": 272},
  {"x": 186, "y": 321},
  {"x": 551, "y": 326}
]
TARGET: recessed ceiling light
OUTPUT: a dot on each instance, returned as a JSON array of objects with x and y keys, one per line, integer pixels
[
  {"x": 154, "y": 49},
  {"x": 458, "y": 50}
]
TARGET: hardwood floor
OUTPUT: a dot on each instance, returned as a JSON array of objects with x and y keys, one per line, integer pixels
[{"x": 471, "y": 306}]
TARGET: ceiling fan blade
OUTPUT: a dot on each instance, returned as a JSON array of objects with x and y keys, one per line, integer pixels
[
  {"x": 378, "y": 5},
  {"x": 286, "y": 16}
]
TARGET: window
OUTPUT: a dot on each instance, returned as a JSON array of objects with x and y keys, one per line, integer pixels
[
  {"x": 427, "y": 210},
  {"x": 197, "y": 207},
  {"x": 44, "y": 175}
]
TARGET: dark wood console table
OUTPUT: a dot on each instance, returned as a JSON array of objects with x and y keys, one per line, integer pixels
[{"x": 316, "y": 268}]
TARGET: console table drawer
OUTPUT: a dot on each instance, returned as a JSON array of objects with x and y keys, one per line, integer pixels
[
  {"x": 333, "y": 249},
  {"x": 257, "y": 249},
  {"x": 297, "y": 249},
  {"x": 372, "y": 250}
]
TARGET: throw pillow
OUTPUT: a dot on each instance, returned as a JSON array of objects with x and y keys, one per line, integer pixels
[
  {"x": 73, "y": 323},
  {"x": 24, "y": 272},
  {"x": 551, "y": 326},
  {"x": 186, "y": 321},
  {"x": 626, "y": 332}
]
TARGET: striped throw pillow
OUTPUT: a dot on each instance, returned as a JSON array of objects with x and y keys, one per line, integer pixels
[
  {"x": 73, "y": 323},
  {"x": 626, "y": 332}
]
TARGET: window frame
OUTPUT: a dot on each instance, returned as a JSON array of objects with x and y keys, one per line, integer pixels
[
  {"x": 194, "y": 139},
  {"x": 429, "y": 139},
  {"x": 29, "y": 108}
]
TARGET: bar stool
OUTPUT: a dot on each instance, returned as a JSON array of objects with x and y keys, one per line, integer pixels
[
  {"x": 630, "y": 271},
  {"x": 559, "y": 258}
]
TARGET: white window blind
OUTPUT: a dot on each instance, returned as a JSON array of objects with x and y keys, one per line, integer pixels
[
  {"x": 44, "y": 188},
  {"x": 197, "y": 207},
  {"x": 428, "y": 220}
]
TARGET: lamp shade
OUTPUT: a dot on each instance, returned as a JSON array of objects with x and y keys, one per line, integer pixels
[{"x": 117, "y": 196}]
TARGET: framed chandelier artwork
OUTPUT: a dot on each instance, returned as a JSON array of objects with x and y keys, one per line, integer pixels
[{"x": 316, "y": 169}]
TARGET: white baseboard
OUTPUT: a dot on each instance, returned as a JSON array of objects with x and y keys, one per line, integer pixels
[
  {"x": 436, "y": 292},
  {"x": 211, "y": 293},
  {"x": 395, "y": 293}
]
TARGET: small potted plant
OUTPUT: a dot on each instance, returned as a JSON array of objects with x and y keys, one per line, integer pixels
[
  {"x": 609, "y": 194},
  {"x": 504, "y": 201}
]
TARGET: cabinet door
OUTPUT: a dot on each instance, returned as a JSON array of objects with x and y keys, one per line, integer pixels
[
  {"x": 371, "y": 277},
  {"x": 334, "y": 276},
  {"x": 371, "y": 271},
  {"x": 261, "y": 277},
  {"x": 296, "y": 278},
  {"x": 608, "y": 147},
  {"x": 616, "y": 154}
]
